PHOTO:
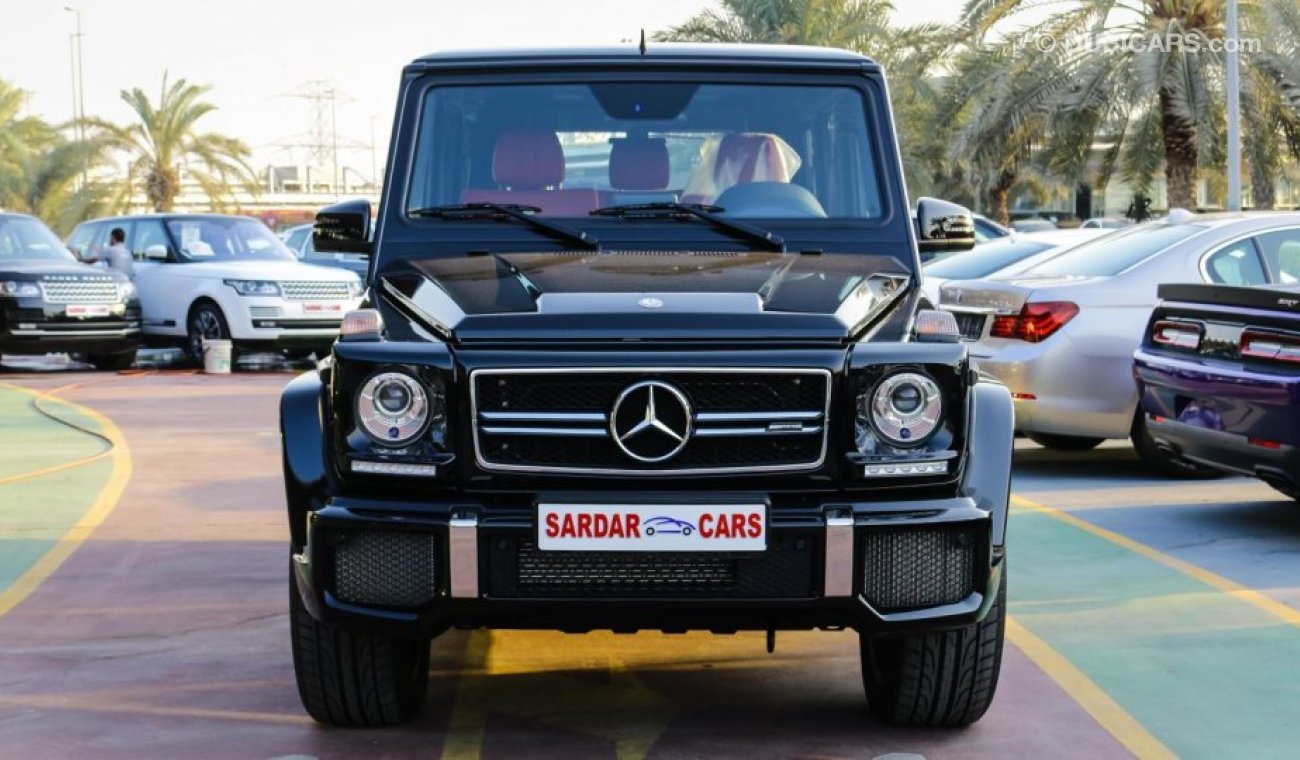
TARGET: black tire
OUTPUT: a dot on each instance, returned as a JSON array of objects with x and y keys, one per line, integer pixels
[
  {"x": 205, "y": 321},
  {"x": 112, "y": 362},
  {"x": 1161, "y": 462},
  {"x": 1064, "y": 442},
  {"x": 938, "y": 678},
  {"x": 348, "y": 678}
]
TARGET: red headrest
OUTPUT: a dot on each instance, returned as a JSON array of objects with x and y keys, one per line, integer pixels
[
  {"x": 528, "y": 160},
  {"x": 639, "y": 164}
]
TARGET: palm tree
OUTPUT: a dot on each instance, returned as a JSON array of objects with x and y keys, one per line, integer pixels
[
  {"x": 851, "y": 24},
  {"x": 54, "y": 190},
  {"x": 1280, "y": 61},
  {"x": 1271, "y": 97},
  {"x": 1146, "y": 103},
  {"x": 165, "y": 137},
  {"x": 17, "y": 133},
  {"x": 997, "y": 96},
  {"x": 41, "y": 170},
  {"x": 917, "y": 60}
]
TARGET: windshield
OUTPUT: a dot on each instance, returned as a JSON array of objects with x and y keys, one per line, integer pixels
[
  {"x": 1113, "y": 253},
  {"x": 761, "y": 151},
  {"x": 985, "y": 260},
  {"x": 27, "y": 239},
  {"x": 226, "y": 238}
]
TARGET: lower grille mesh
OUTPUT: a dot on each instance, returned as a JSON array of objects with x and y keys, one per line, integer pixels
[
  {"x": 386, "y": 569},
  {"x": 919, "y": 567},
  {"x": 519, "y": 570},
  {"x": 581, "y": 571}
]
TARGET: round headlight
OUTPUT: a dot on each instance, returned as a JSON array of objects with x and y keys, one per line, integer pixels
[
  {"x": 393, "y": 408},
  {"x": 906, "y": 408}
]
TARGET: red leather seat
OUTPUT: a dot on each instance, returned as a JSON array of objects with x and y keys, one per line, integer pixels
[
  {"x": 528, "y": 165},
  {"x": 639, "y": 164},
  {"x": 639, "y": 171}
]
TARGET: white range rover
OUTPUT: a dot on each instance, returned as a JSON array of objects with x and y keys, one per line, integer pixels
[{"x": 212, "y": 276}]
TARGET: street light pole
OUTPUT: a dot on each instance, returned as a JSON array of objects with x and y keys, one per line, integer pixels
[
  {"x": 72, "y": 67},
  {"x": 1234, "y": 110},
  {"x": 79, "y": 92}
]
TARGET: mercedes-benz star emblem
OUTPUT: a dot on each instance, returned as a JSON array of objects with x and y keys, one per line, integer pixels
[
  {"x": 651, "y": 421},
  {"x": 650, "y": 302}
]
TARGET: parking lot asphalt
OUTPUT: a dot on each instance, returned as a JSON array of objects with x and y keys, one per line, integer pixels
[{"x": 143, "y": 600}]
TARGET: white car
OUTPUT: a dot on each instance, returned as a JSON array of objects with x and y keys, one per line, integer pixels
[
  {"x": 1008, "y": 255},
  {"x": 1106, "y": 223},
  {"x": 211, "y": 276}
]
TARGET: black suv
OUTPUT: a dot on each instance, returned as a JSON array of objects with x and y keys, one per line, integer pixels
[
  {"x": 646, "y": 349},
  {"x": 51, "y": 302}
]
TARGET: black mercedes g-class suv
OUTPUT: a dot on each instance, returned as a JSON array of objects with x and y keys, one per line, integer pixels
[
  {"x": 645, "y": 349},
  {"x": 50, "y": 302}
]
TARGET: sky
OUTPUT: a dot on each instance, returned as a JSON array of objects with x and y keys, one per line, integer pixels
[{"x": 257, "y": 54}]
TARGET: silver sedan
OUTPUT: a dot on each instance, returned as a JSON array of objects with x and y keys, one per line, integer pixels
[
  {"x": 1061, "y": 336},
  {"x": 1009, "y": 255}
]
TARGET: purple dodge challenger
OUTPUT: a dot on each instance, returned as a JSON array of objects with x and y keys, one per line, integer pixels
[{"x": 1218, "y": 372}]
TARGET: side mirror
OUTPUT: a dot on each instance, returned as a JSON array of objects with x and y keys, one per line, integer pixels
[
  {"x": 943, "y": 226},
  {"x": 156, "y": 252},
  {"x": 343, "y": 228}
]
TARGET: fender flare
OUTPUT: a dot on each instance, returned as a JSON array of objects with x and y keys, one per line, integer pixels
[
  {"x": 302, "y": 435},
  {"x": 990, "y": 446}
]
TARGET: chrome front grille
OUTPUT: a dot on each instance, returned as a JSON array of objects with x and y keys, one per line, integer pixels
[
  {"x": 302, "y": 290},
  {"x": 264, "y": 312},
  {"x": 740, "y": 420},
  {"x": 80, "y": 290}
]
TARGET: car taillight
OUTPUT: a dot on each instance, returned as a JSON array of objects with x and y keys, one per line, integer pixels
[
  {"x": 1035, "y": 322},
  {"x": 1259, "y": 344},
  {"x": 1177, "y": 334}
]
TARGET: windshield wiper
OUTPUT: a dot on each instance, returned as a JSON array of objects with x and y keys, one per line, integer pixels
[
  {"x": 513, "y": 211},
  {"x": 708, "y": 213}
]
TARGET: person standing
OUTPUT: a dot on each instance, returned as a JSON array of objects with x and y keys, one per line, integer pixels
[
  {"x": 1140, "y": 209},
  {"x": 117, "y": 255}
]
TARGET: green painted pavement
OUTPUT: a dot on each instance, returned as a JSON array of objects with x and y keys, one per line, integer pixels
[
  {"x": 30, "y": 441},
  {"x": 1207, "y": 674},
  {"x": 36, "y": 512}
]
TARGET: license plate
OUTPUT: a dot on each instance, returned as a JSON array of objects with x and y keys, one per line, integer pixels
[
  {"x": 652, "y": 527},
  {"x": 322, "y": 308},
  {"x": 87, "y": 310},
  {"x": 971, "y": 326}
]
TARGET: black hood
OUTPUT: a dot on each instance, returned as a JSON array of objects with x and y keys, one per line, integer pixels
[
  {"x": 37, "y": 268},
  {"x": 648, "y": 295}
]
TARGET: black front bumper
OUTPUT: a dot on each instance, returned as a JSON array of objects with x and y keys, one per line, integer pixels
[
  {"x": 814, "y": 572},
  {"x": 34, "y": 327}
]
